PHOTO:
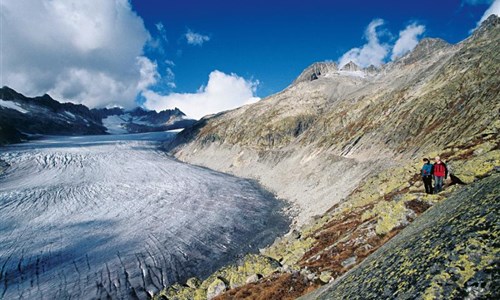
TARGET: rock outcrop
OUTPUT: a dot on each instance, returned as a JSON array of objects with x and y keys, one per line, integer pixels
[
  {"x": 351, "y": 66},
  {"x": 316, "y": 70}
]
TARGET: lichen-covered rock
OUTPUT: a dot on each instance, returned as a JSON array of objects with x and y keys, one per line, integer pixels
[
  {"x": 217, "y": 287},
  {"x": 392, "y": 215},
  {"x": 176, "y": 292},
  {"x": 325, "y": 276},
  {"x": 450, "y": 252},
  {"x": 477, "y": 166},
  {"x": 252, "y": 278},
  {"x": 193, "y": 283}
]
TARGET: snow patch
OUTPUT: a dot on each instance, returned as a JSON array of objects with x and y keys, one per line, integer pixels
[
  {"x": 13, "y": 105},
  {"x": 359, "y": 74},
  {"x": 70, "y": 115},
  {"x": 115, "y": 124}
]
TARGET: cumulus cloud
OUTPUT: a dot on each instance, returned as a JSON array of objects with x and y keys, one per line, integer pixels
[
  {"x": 87, "y": 52},
  {"x": 494, "y": 9},
  {"x": 408, "y": 39},
  {"x": 196, "y": 39},
  {"x": 375, "y": 52},
  {"x": 372, "y": 53},
  {"x": 222, "y": 92},
  {"x": 148, "y": 71}
]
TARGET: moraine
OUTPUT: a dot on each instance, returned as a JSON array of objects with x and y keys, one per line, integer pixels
[{"x": 99, "y": 216}]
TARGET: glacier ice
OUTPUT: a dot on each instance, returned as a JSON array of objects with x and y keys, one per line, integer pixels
[{"x": 98, "y": 216}]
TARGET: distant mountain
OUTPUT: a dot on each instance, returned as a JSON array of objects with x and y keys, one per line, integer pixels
[{"x": 22, "y": 117}]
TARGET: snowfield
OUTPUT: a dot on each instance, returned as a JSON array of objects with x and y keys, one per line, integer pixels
[
  {"x": 98, "y": 216},
  {"x": 13, "y": 105}
]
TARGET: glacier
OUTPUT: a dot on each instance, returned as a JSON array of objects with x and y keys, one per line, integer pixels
[{"x": 114, "y": 217}]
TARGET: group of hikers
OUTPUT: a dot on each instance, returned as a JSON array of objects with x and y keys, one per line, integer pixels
[{"x": 438, "y": 171}]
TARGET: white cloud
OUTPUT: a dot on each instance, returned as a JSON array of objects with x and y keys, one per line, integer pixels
[
  {"x": 222, "y": 92},
  {"x": 170, "y": 78},
  {"x": 494, "y": 9},
  {"x": 149, "y": 73},
  {"x": 161, "y": 30},
  {"x": 372, "y": 53},
  {"x": 87, "y": 52},
  {"x": 170, "y": 63},
  {"x": 408, "y": 39},
  {"x": 194, "y": 38},
  {"x": 375, "y": 52}
]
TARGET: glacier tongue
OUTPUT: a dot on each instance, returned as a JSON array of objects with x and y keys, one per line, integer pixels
[{"x": 99, "y": 216}]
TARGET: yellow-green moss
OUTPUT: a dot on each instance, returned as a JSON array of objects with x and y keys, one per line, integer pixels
[
  {"x": 390, "y": 215},
  {"x": 476, "y": 167}
]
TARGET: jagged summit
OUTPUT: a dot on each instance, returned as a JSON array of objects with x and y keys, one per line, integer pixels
[
  {"x": 424, "y": 48},
  {"x": 316, "y": 70},
  {"x": 371, "y": 70},
  {"x": 21, "y": 115},
  {"x": 487, "y": 26},
  {"x": 351, "y": 66}
]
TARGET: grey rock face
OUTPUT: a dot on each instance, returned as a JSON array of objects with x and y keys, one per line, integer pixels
[
  {"x": 316, "y": 70},
  {"x": 424, "y": 48},
  {"x": 350, "y": 66}
]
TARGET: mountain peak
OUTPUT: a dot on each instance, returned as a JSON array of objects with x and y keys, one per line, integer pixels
[
  {"x": 350, "y": 66},
  {"x": 371, "y": 69},
  {"x": 424, "y": 48},
  {"x": 6, "y": 93},
  {"x": 315, "y": 70},
  {"x": 486, "y": 26}
]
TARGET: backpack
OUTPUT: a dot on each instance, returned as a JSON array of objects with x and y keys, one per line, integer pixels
[{"x": 426, "y": 170}]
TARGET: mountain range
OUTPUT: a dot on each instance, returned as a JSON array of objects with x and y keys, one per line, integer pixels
[{"x": 22, "y": 117}]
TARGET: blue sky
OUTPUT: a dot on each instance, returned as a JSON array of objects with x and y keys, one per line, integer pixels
[
  {"x": 273, "y": 41},
  {"x": 206, "y": 56}
]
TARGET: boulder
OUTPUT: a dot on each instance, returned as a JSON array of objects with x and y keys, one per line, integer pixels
[
  {"x": 193, "y": 283},
  {"x": 217, "y": 287}
]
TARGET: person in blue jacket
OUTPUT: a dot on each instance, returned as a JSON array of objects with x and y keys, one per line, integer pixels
[{"x": 426, "y": 173}]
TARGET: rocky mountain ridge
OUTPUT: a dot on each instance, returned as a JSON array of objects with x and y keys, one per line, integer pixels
[
  {"x": 346, "y": 150},
  {"x": 315, "y": 141},
  {"x": 21, "y": 117}
]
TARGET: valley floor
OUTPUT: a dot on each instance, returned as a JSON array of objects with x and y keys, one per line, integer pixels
[{"x": 99, "y": 216}]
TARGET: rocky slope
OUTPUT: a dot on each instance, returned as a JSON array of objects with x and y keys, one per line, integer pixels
[
  {"x": 379, "y": 209},
  {"x": 21, "y": 117},
  {"x": 317, "y": 140},
  {"x": 345, "y": 146},
  {"x": 451, "y": 252}
]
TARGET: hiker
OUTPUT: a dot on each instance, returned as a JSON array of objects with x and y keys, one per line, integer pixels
[
  {"x": 427, "y": 176},
  {"x": 440, "y": 172}
]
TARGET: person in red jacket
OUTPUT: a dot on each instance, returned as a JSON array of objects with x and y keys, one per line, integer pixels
[{"x": 440, "y": 172}]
